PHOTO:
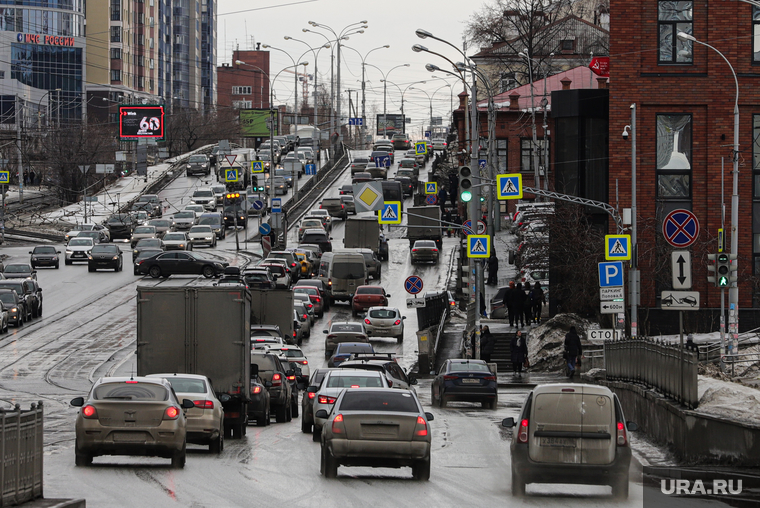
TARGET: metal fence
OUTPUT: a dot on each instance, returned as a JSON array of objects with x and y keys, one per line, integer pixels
[
  {"x": 666, "y": 368},
  {"x": 21, "y": 438}
]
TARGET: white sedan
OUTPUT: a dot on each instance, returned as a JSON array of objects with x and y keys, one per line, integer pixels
[
  {"x": 385, "y": 322},
  {"x": 176, "y": 241}
]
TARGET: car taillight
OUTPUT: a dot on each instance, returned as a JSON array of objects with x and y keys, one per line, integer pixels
[
  {"x": 397, "y": 322},
  {"x": 316, "y": 299},
  {"x": 490, "y": 378},
  {"x": 312, "y": 395},
  {"x": 172, "y": 413},
  {"x": 522, "y": 433},
  {"x": 622, "y": 439},
  {"x": 292, "y": 264},
  {"x": 303, "y": 362},
  {"x": 367, "y": 321},
  {"x": 90, "y": 412},
  {"x": 324, "y": 399},
  {"x": 256, "y": 389},
  {"x": 277, "y": 379},
  {"x": 434, "y": 250},
  {"x": 421, "y": 427},
  {"x": 204, "y": 404},
  {"x": 305, "y": 316},
  {"x": 450, "y": 378},
  {"x": 291, "y": 378},
  {"x": 294, "y": 333},
  {"x": 337, "y": 425},
  {"x": 329, "y": 282}
]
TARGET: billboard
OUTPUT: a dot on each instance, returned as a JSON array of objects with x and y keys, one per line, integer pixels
[
  {"x": 390, "y": 124},
  {"x": 141, "y": 122},
  {"x": 254, "y": 123}
]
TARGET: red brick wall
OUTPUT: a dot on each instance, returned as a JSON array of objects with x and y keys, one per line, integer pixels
[
  {"x": 244, "y": 75},
  {"x": 704, "y": 89}
]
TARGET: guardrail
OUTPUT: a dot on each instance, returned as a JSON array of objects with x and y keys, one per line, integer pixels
[
  {"x": 21, "y": 443},
  {"x": 664, "y": 367},
  {"x": 431, "y": 318}
]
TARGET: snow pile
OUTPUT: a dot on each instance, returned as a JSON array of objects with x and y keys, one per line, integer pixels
[
  {"x": 728, "y": 400},
  {"x": 546, "y": 342}
]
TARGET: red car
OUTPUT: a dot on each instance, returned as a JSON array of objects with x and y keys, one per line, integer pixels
[{"x": 368, "y": 296}]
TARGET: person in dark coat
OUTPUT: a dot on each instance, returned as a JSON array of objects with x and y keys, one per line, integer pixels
[
  {"x": 573, "y": 350},
  {"x": 493, "y": 269},
  {"x": 519, "y": 352},
  {"x": 483, "y": 305},
  {"x": 487, "y": 344},
  {"x": 527, "y": 306},
  {"x": 442, "y": 195},
  {"x": 517, "y": 300},
  {"x": 453, "y": 188},
  {"x": 537, "y": 300},
  {"x": 508, "y": 303}
]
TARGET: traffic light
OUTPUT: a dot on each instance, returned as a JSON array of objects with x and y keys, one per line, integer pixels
[
  {"x": 232, "y": 198},
  {"x": 255, "y": 185},
  {"x": 465, "y": 184},
  {"x": 725, "y": 269},
  {"x": 711, "y": 266}
]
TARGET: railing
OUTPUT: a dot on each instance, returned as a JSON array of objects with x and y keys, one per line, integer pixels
[
  {"x": 21, "y": 442},
  {"x": 659, "y": 365},
  {"x": 593, "y": 358}
]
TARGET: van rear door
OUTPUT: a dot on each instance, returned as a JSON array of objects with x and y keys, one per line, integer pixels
[
  {"x": 598, "y": 418},
  {"x": 555, "y": 427}
]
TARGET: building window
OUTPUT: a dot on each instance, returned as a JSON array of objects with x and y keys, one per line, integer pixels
[
  {"x": 756, "y": 202},
  {"x": 674, "y": 158},
  {"x": 140, "y": 61},
  {"x": 115, "y": 53},
  {"x": 115, "y": 10},
  {"x": 115, "y": 34},
  {"x": 151, "y": 63},
  {"x": 242, "y": 104},
  {"x": 241, "y": 90},
  {"x": 756, "y": 34},
  {"x": 567, "y": 45},
  {"x": 152, "y": 21},
  {"x": 115, "y": 75},
  {"x": 527, "y": 153},
  {"x": 506, "y": 81},
  {"x": 674, "y": 17},
  {"x": 151, "y": 84},
  {"x": 501, "y": 155}
]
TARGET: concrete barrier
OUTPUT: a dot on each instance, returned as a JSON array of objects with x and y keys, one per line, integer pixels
[{"x": 694, "y": 437}]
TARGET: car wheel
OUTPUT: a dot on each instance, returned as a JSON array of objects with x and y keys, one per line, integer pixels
[
  {"x": 400, "y": 338},
  {"x": 294, "y": 408},
  {"x": 39, "y": 311},
  {"x": 57, "y": 266},
  {"x": 620, "y": 488},
  {"x": 66, "y": 261},
  {"x": 316, "y": 434},
  {"x": 442, "y": 399},
  {"x": 289, "y": 412},
  {"x": 82, "y": 459},
  {"x": 421, "y": 470},
  {"x": 136, "y": 272},
  {"x": 90, "y": 268},
  {"x": 263, "y": 422},
  {"x": 305, "y": 426},
  {"x": 227, "y": 432},
  {"x": 518, "y": 486},
  {"x": 330, "y": 467},
  {"x": 155, "y": 271},
  {"x": 178, "y": 458},
  {"x": 208, "y": 271},
  {"x": 217, "y": 445},
  {"x": 281, "y": 414}
]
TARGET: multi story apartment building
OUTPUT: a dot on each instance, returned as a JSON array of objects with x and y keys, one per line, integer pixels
[{"x": 194, "y": 53}]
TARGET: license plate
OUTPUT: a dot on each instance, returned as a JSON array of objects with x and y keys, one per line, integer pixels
[
  {"x": 471, "y": 381},
  {"x": 77, "y": 255},
  {"x": 562, "y": 442},
  {"x": 129, "y": 437}
]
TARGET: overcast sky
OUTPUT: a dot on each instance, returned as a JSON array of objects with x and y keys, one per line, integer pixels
[{"x": 243, "y": 23}]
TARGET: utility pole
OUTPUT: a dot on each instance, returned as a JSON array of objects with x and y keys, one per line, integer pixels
[
  {"x": 338, "y": 97},
  {"x": 364, "y": 115},
  {"x": 633, "y": 272},
  {"x": 19, "y": 120}
]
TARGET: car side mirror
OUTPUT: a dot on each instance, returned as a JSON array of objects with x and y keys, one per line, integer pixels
[
  {"x": 57, "y": 252},
  {"x": 312, "y": 389},
  {"x": 225, "y": 397},
  {"x": 403, "y": 317},
  {"x": 254, "y": 370},
  {"x": 187, "y": 404},
  {"x": 77, "y": 402},
  {"x": 321, "y": 414},
  {"x": 429, "y": 417},
  {"x": 508, "y": 422},
  {"x": 412, "y": 380},
  {"x": 30, "y": 252},
  {"x": 267, "y": 384},
  {"x": 632, "y": 426},
  {"x": 325, "y": 331}
]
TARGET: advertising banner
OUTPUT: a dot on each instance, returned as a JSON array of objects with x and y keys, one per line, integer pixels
[
  {"x": 141, "y": 122},
  {"x": 255, "y": 123},
  {"x": 390, "y": 124}
]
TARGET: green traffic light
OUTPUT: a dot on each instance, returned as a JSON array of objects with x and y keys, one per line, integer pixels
[
  {"x": 482, "y": 199},
  {"x": 465, "y": 196},
  {"x": 723, "y": 282}
]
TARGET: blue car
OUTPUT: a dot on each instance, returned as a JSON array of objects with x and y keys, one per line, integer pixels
[
  {"x": 344, "y": 350},
  {"x": 465, "y": 380}
]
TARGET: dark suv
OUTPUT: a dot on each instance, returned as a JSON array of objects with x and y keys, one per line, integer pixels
[
  {"x": 307, "y": 401},
  {"x": 14, "y": 305},
  {"x": 121, "y": 225},
  {"x": 280, "y": 393},
  {"x": 154, "y": 201},
  {"x": 28, "y": 295}
]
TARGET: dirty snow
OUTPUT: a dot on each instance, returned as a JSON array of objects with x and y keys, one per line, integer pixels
[{"x": 728, "y": 400}]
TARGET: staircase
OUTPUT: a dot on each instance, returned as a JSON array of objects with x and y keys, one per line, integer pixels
[{"x": 502, "y": 353}]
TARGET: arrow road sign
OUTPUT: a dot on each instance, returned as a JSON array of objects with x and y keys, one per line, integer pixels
[
  {"x": 230, "y": 175},
  {"x": 258, "y": 205},
  {"x": 257, "y": 166},
  {"x": 356, "y": 121},
  {"x": 680, "y": 228},
  {"x": 390, "y": 213},
  {"x": 611, "y": 274},
  {"x": 681, "y": 265},
  {"x": 265, "y": 229},
  {"x": 478, "y": 246},
  {"x": 5, "y": 177},
  {"x": 482, "y": 163},
  {"x": 509, "y": 186},
  {"x": 612, "y": 307},
  {"x": 420, "y": 148},
  {"x": 679, "y": 300},
  {"x": 617, "y": 247},
  {"x": 413, "y": 284},
  {"x": 310, "y": 169},
  {"x": 431, "y": 188},
  {"x": 385, "y": 160}
]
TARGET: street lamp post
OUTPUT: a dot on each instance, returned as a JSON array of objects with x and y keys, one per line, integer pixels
[
  {"x": 733, "y": 291},
  {"x": 435, "y": 68},
  {"x": 385, "y": 93},
  {"x": 364, "y": 63},
  {"x": 536, "y": 177},
  {"x": 430, "y": 99}
]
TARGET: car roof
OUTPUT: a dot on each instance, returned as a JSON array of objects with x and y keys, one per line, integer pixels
[
  {"x": 352, "y": 372},
  {"x": 382, "y": 307},
  {"x": 174, "y": 374},
  {"x": 587, "y": 389},
  {"x": 140, "y": 379}
]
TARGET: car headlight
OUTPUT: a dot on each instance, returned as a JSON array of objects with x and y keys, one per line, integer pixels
[
  {"x": 209, "y": 238},
  {"x": 14, "y": 310},
  {"x": 188, "y": 166},
  {"x": 89, "y": 257},
  {"x": 115, "y": 258},
  {"x": 203, "y": 165},
  {"x": 69, "y": 252}
]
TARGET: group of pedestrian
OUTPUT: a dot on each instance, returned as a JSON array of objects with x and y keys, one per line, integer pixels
[
  {"x": 518, "y": 347},
  {"x": 524, "y": 305}
]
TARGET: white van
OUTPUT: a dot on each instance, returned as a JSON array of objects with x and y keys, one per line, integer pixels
[{"x": 342, "y": 272}]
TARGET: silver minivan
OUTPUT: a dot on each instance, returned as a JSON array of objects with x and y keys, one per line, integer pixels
[
  {"x": 342, "y": 272},
  {"x": 571, "y": 433}
]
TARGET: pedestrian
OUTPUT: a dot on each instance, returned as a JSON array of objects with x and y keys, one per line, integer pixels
[
  {"x": 527, "y": 307},
  {"x": 537, "y": 300},
  {"x": 519, "y": 352},
  {"x": 573, "y": 350},
  {"x": 690, "y": 345},
  {"x": 442, "y": 195},
  {"x": 493, "y": 269},
  {"x": 517, "y": 300},
  {"x": 508, "y": 303},
  {"x": 32, "y": 177},
  {"x": 487, "y": 344},
  {"x": 483, "y": 306}
]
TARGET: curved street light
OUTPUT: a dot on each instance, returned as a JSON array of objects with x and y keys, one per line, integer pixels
[
  {"x": 385, "y": 93},
  {"x": 364, "y": 61}
]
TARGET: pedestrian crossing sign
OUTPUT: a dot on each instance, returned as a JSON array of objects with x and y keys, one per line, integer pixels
[
  {"x": 617, "y": 247},
  {"x": 420, "y": 148},
  {"x": 390, "y": 213},
  {"x": 478, "y": 246},
  {"x": 230, "y": 175},
  {"x": 431, "y": 188},
  {"x": 509, "y": 186},
  {"x": 5, "y": 177},
  {"x": 257, "y": 166}
]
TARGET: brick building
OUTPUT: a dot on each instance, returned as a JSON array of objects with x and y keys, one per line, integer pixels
[
  {"x": 245, "y": 85},
  {"x": 684, "y": 94}
]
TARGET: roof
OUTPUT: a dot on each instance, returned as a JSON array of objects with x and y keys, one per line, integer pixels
[{"x": 582, "y": 78}]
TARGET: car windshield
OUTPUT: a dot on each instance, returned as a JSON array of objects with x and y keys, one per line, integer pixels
[
  {"x": 184, "y": 215},
  {"x": 427, "y": 244},
  {"x": 149, "y": 242},
  {"x": 144, "y": 230},
  {"x": 18, "y": 269},
  {"x": 105, "y": 249},
  {"x": 203, "y": 194},
  {"x": 265, "y": 362},
  {"x": 306, "y": 291},
  {"x": 382, "y": 313},
  {"x": 160, "y": 223},
  {"x": 89, "y": 234},
  {"x": 255, "y": 277},
  {"x": 7, "y": 298},
  {"x": 145, "y": 254},
  {"x": 80, "y": 242},
  {"x": 209, "y": 221},
  {"x": 354, "y": 381},
  {"x": 44, "y": 250},
  {"x": 314, "y": 238},
  {"x": 130, "y": 390},
  {"x": 311, "y": 223},
  {"x": 372, "y": 290},
  {"x": 187, "y": 385},
  {"x": 174, "y": 236},
  {"x": 200, "y": 229},
  {"x": 346, "y": 327},
  {"x": 197, "y": 158},
  {"x": 396, "y": 401},
  {"x": 468, "y": 367},
  {"x": 348, "y": 271}
]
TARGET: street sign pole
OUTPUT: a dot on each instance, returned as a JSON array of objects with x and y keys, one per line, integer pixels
[{"x": 2, "y": 215}]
